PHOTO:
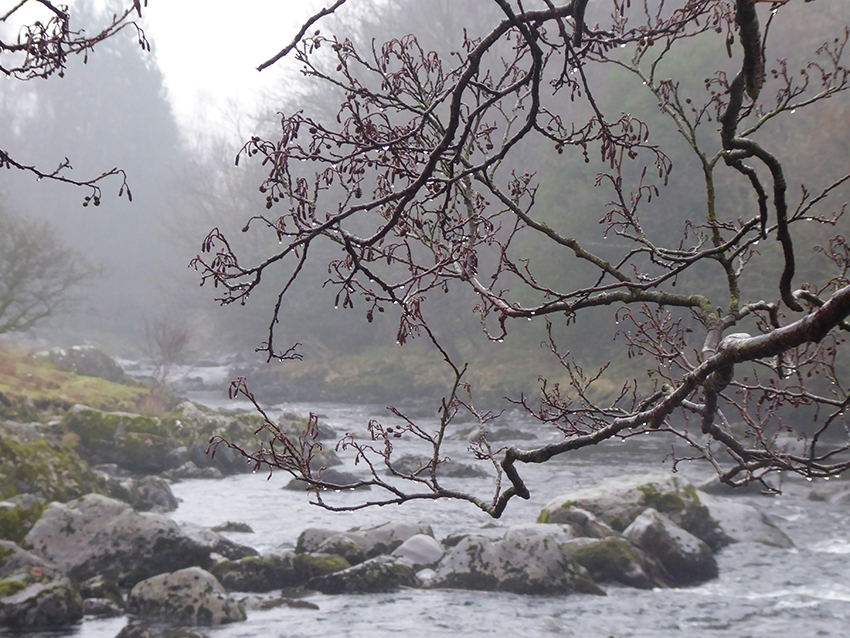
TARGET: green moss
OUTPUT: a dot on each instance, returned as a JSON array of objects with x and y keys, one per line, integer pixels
[
  {"x": 618, "y": 524},
  {"x": 544, "y": 516},
  {"x": 318, "y": 564},
  {"x": 17, "y": 521},
  {"x": 661, "y": 501},
  {"x": 49, "y": 471},
  {"x": 35, "y": 387},
  {"x": 691, "y": 491},
  {"x": 601, "y": 556},
  {"x": 11, "y": 586}
]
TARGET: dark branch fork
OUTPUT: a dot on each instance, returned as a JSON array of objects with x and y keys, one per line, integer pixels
[{"x": 416, "y": 161}]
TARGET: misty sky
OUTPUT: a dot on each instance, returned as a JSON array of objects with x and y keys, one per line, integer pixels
[{"x": 209, "y": 52}]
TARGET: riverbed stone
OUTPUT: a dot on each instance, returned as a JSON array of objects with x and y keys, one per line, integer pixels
[
  {"x": 102, "y": 608},
  {"x": 96, "y": 535},
  {"x": 413, "y": 465},
  {"x": 687, "y": 559},
  {"x": 132, "y": 441},
  {"x": 618, "y": 501},
  {"x": 745, "y": 523},
  {"x": 315, "y": 539},
  {"x": 386, "y": 537},
  {"x": 382, "y": 574},
  {"x": 190, "y": 596},
  {"x": 529, "y": 559},
  {"x": 150, "y": 494},
  {"x": 310, "y": 566},
  {"x": 88, "y": 361},
  {"x": 420, "y": 551},
  {"x": 615, "y": 560},
  {"x": 34, "y": 594},
  {"x": 258, "y": 573}
]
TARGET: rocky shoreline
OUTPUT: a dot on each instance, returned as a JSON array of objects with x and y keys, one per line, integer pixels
[{"x": 85, "y": 529}]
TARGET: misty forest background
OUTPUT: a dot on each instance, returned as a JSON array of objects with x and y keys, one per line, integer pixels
[{"x": 114, "y": 111}]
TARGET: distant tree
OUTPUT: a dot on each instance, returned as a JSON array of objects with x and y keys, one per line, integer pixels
[
  {"x": 39, "y": 277},
  {"x": 413, "y": 182},
  {"x": 166, "y": 344},
  {"x": 46, "y": 37}
]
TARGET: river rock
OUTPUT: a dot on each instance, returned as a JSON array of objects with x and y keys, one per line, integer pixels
[
  {"x": 87, "y": 361},
  {"x": 615, "y": 560},
  {"x": 217, "y": 543},
  {"x": 355, "y": 546},
  {"x": 30, "y": 464},
  {"x": 150, "y": 494},
  {"x": 132, "y": 441},
  {"x": 102, "y": 608},
  {"x": 387, "y": 537},
  {"x": 413, "y": 465},
  {"x": 190, "y": 596},
  {"x": 102, "y": 588},
  {"x": 233, "y": 526},
  {"x": 258, "y": 573},
  {"x": 618, "y": 501},
  {"x": 420, "y": 551},
  {"x": 310, "y": 566},
  {"x": 685, "y": 557},
  {"x": 745, "y": 523},
  {"x": 18, "y": 514},
  {"x": 96, "y": 535},
  {"x": 382, "y": 574},
  {"x": 530, "y": 559},
  {"x": 294, "y": 426},
  {"x": 33, "y": 593},
  {"x": 189, "y": 470},
  {"x": 328, "y": 475}
]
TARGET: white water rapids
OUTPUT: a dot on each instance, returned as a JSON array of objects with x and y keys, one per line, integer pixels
[{"x": 761, "y": 592}]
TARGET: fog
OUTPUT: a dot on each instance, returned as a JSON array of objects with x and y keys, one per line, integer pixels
[{"x": 174, "y": 120}]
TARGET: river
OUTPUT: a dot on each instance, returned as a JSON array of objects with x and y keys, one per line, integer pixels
[{"x": 761, "y": 592}]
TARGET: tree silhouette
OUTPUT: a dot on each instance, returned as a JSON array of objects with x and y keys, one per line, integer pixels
[
  {"x": 414, "y": 181},
  {"x": 38, "y": 275}
]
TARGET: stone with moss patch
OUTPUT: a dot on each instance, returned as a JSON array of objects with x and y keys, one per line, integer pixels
[{"x": 618, "y": 501}]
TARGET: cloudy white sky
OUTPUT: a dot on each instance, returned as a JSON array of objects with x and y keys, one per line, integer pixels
[{"x": 209, "y": 51}]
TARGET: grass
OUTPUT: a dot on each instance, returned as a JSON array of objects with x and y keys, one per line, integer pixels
[{"x": 42, "y": 386}]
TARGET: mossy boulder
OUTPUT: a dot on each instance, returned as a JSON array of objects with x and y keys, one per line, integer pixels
[
  {"x": 529, "y": 559},
  {"x": 88, "y": 361},
  {"x": 258, "y": 573},
  {"x": 744, "y": 523},
  {"x": 615, "y": 560},
  {"x": 30, "y": 464},
  {"x": 382, "y": 574},
  {"x": 310, "y": 566},
  {"x": 18, "y": 515},
  {"x": 294, "y": 426},
  {"x": 132, "y": 441},
  {"x": 33, "y": 593},
  {"x": 619, "y": 501}
]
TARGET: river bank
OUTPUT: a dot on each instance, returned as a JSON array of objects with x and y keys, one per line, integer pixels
[{"x": 760, "y": 589}]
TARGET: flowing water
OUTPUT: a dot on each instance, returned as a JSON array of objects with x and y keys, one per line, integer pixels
[{"x": 761, "y": 592}]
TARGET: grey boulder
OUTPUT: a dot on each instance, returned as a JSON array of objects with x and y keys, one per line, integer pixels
[
  {"x": 687, "y": 559},
  {"x": 96, "y": 535},
  {"x": 33, "y": 593},
  {"x": 190, "y": 596},
  {"x": 529, "y": 559}
]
